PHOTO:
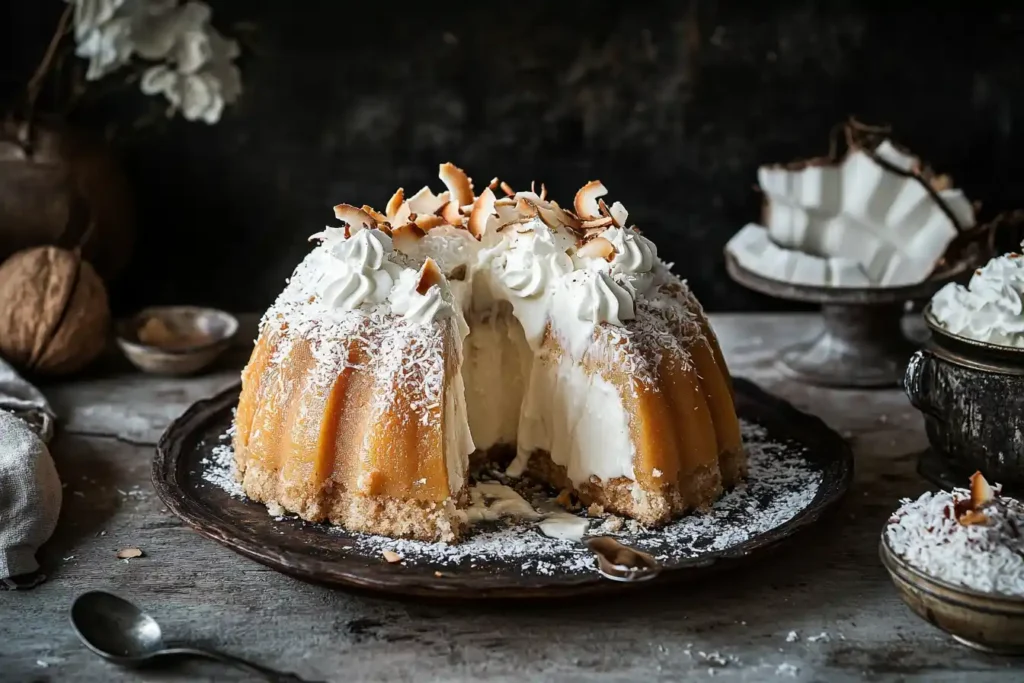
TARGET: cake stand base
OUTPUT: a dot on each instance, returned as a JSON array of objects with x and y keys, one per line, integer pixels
[
  {"x": 860, "y": 346},
  {"x": 863, "y": 344}
]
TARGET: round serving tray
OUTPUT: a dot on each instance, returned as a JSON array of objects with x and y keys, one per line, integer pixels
[
  {"x": 325, "y": 554},
  {"x": 862, "y": 343}
]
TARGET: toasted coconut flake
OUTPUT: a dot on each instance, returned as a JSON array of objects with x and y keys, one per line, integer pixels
[
  {"x": 429, "y": 221},
  {"x": 406, "y": 235},
  {"x": 458, "y": 183},
  {"x": 507, "y": 189},
  {"x": 391, "y": 556},
  {"x": 430, "y": 275},
  {"x": 973, "y": 517},
  {"x": 483, "y": 209},
  {"x": 374, "y": 213},
  {"x": 526, "y": 207},
  {"x": 519, "y": 220},
  {"x": 602, "y": 222},
  {"x": 396, "y": 201},
  {"x": 549, "y": 216},
  {"x": 602, "y": 208},
  {"x": 494, "y": 183},
  {"x": 505, "y": 201},
  {"x": 128, "y": 553},
  {"x": 451, "y": 214},
  {"x": 586, "y": 200},
  {"x": 385, "y": 227},
  {"x": 619, "y": 215},
  {"x": 598, "y": 247},
  {"x": 981, "y": 491},
  {"x": 543, "y": 191},
  {"x": 355, "y": 218}
]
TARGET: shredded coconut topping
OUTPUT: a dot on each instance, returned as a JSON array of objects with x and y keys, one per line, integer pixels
[
  {"x": 981, "y": 549},
  {"x": 781, "y": 483}
]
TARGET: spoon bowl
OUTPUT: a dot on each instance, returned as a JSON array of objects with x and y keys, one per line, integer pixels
[
  {"x": 114, "y": 628},
  {"x": 121, "y": 632},
  {"x": 619, "y": 562}
]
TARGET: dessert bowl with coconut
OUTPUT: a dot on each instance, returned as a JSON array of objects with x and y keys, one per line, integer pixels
[
  {"x": 957, "y": 559},
  {"x": 968, "y": 380}
]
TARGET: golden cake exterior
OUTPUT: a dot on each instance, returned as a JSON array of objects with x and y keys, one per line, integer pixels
[{"x": 598, "y": 365}]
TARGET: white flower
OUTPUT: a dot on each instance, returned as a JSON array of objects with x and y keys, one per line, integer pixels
[{"x": 195, "y": 73}]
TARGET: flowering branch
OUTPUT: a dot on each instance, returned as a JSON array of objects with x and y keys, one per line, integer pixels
[{"x": 194, "y": 67}]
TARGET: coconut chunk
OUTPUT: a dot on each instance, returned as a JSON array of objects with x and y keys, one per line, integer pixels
[
  {"x": 600, "y": 222},
  {"x": 981, "y": 491},
  {"x": 451, "y": 214},
  {"x": 430, "y": 275},
  {"x": 494, "y": 183},
  {"x": 395, "y": 202},
  {"x": 483, "y": 209},
  {"x": 526, "y": 207},
  {"x": 619, "y": 214},
  {"x": 507, "y": 189},
  {"x": 404, "y": 237},
  {"x": 598, "y": 247},
  {"x": 355, "y": 218},
  {"x": 586, "y": 200},
  {"x": 374, "y": 213},
  {"x": 428, "y": 221},
  {"x": 458, "y": 183}
]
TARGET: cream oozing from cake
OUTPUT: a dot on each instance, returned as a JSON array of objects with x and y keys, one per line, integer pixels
[
  {"x": 990, "y": 308},
  {"x": 510, "y": 273}
]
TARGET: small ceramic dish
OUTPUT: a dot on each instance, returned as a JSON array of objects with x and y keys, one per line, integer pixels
[
  {"x": 971, "y": 394},
  {"x": 984, "y": 621},
  {"x": 175, "y": 340}
]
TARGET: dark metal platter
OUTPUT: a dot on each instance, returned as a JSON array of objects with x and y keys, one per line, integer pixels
[{"x": 328, "y": 555}]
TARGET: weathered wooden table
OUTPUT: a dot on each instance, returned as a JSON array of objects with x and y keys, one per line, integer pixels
[{"x": 830, "y": 588}]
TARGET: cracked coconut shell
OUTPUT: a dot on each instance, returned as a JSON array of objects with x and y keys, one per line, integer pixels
[{"x": 54, "y": 314}]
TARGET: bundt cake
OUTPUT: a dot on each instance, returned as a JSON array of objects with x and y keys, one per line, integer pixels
[{"x": 459, "y": 324}]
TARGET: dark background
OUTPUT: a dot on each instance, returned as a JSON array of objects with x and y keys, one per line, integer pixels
[{"x": 672, "y": 104}]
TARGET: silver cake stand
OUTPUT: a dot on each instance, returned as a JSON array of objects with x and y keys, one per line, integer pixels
[{"x": 862, "y": 343}]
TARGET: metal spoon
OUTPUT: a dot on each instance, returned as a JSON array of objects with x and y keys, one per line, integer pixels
[
  {"x": 118, "y": 630},
  {"x": 619, "y": 562}
]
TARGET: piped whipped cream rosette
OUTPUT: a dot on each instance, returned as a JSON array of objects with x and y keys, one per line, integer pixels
[
  {"x": 874, "y": 218},
  {"x": 990, "y": 308},
  {"x": 427, "y": 254}
]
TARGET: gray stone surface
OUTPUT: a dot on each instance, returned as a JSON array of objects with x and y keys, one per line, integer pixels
[{"x": 830, "y": 588}]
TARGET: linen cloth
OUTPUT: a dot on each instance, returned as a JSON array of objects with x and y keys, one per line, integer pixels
[{"x": 30, "y": 489}]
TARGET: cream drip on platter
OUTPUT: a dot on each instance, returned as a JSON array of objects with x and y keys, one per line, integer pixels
[{"x": 990, "y": 308}]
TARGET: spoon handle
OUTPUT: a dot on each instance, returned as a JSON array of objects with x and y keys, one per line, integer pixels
[{"x": 265, "y": 672}]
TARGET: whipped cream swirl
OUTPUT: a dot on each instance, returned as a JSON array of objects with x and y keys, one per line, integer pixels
[
  {"x": 990, "y": 308},
  {"x": 358, "y": 272},
  {"x": 599, "y": 298},
  {"x": 534, "y": 261},
  {"x": 435, "y": 304},
  {"x": 635, "y": 256}
]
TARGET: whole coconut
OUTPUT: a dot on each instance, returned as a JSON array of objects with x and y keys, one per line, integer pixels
[
  {"x": 60, "y": 186},
  {"x": 54, "y": 313}
]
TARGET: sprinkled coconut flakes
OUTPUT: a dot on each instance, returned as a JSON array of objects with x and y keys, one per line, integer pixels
[
  {"x": 983, "y": 557},
  {"x": 781, "y": 483}
]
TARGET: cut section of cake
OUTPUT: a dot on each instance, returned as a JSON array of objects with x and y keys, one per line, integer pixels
[{"x": 545, "y": 340}]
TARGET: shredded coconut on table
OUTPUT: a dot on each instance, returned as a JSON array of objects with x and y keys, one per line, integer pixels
[
  {"x": 986, "y": 557},
  {"x": 781, "y": 483}
]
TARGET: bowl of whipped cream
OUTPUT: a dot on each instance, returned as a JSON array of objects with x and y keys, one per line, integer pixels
[{"x": 968, "y": 380}]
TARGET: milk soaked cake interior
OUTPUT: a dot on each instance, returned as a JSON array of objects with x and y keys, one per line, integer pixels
[{"x": 459, "y": 324}]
